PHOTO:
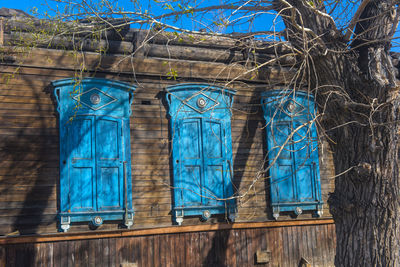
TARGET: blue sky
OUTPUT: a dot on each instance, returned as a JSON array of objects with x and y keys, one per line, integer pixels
[
  {"x": 24, "y": 5},
  {"x": 258, "y": 25}
]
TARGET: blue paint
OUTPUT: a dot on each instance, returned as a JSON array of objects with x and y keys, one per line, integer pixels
[
  {"x": 200, "y": 124},
  {"x": 292, "y": 152},
  {"x": 94, "y": 146}
]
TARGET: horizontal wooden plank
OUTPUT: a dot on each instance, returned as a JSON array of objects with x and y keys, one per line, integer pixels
[
  {"x": 157, "y": 231},
  {"x": 18, "y": 205},
  {"x": 64, "y": 60},
  {"x": 193, "y": 53}
]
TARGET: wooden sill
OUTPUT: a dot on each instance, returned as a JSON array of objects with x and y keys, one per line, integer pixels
[{"x": 155, "y": 231}]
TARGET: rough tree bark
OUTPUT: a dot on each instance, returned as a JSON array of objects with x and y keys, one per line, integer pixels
[{"x": 359, "y": 102}]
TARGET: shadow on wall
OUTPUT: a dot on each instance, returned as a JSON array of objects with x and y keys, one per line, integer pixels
[
  {"x": 217, "y": 255},
  {"x": 30, "y": 145}
]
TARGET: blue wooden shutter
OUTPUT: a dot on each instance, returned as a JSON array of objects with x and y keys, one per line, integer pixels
[
  {"x": 292, "y": 152},
  {"x": 95, "y": 174},
  {"x": 201, "y": 149}
]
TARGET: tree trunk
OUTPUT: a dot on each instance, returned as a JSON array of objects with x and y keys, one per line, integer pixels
[{"x": 359, "y": 104}]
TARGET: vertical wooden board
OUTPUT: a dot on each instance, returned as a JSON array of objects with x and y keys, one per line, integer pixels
[
  {"x": 113, "y": 251},
  {"x": 331, "y": 233},
  {"x": 49, "y": 254},
  {"x": 324, "y": 239},
  {"x": 231, "y": 247},
  {"x": 106, "y": 251},
  {"x": 56, "y": 254},
  {"x": 197, "y": 255},
  {"x": 318, "y": 261},
  {"x": 98, "y": 248},
  {"x": 332, "y": 238},
  {"x": 187, "y": 249},
  {"x": 321, "y": 242},
  {"x": 263, "y": 241},
  {"x": 210, "y": 249},
  {"x": 24, "y": 258},
  {"x": 10, "y": 255},
  {"x": 70, "y": 254},
  {"x": 227, "y": 238},
  {"x": 214, "y": 250},
  {"x": 92, "y": 253},
  {"x": 221, "y": 239},
  {"x": 194, "y": 251},
  {"x": 37, "y": 259},
  {"x": 250, "y": 247},
  {"x": 77, "y": 252},
  {"x": 328, "y": 247},
  {"x": 41, "y": 252},
  {"x": 245, "y": 248},
  {"x": 63, "y": 254},
  {"x": 126, "y": 251},
  {"x": 174, "y": 249},
  {"x": 241, "y": 257},
  {"x": 135, "y": 249},
  {"x": 150, "y": 250},
  {"x": 287, "y": 245},
  {"x": 233, "y": 240},
  {"x": 305, "y": 252},
  {"x": 295, "y": 244},
  {"x": 85, "y": 252},
  {"x": 311, "y": 246},
  {"x": 255, "y": 241},
  {"x": 2, "y": 255},
  {"x": 205, "y": 247},
  {"x": 214, "y": 254},
  {"x": 156, "y": 250},
  {"x": 168, "y": 250},
  {"x": 118, "y": 251},
  {"x": 278, "y": 246},
  {"x": 270, "y": 242},
  {"x": 181, "y": 245},
  {"x": 142, "y": 256},
  {"x": 283, "y": 246},
  {"x": 163, "y": 241}
]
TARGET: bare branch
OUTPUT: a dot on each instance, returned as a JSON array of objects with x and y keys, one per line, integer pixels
[{"x": 355, "y": 20}]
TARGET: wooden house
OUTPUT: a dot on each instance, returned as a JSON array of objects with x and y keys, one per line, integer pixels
[{"x": 152, "y": 149}]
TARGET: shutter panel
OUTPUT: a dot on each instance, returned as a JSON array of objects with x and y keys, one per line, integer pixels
[
  {"x": 81, "y": 163},
  {"x": 190, "y": 161},
  {"x": 304, "y": 162},
  {"x": 109, "y": 163},
  {"x": 214, "y": 162},
  {"x": 282, "y": 172}
]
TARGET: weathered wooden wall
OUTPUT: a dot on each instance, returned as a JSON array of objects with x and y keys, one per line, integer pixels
[
  {"x": 29, "y": 144},
  {"x": 234, "y": 247},
  {"x": 29, "y": 149}
]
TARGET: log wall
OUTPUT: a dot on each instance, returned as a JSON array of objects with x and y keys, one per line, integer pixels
[{"x": 29, "y": 149}]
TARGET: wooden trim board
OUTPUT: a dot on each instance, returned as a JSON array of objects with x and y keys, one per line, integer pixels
[{"x": 155, "y": 231}]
